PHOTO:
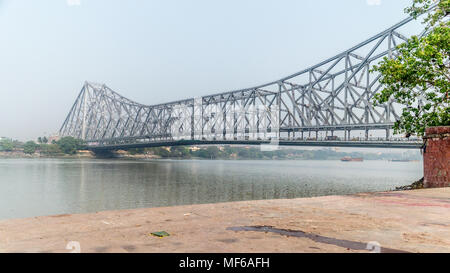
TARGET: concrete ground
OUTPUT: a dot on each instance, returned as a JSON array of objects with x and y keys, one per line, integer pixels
[{"x": 412, "y": 221}]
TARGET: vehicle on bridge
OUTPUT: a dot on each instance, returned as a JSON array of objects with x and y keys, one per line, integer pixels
[
  {"x": 351, "y": 159},
  {"x": 334, "y": 138}
]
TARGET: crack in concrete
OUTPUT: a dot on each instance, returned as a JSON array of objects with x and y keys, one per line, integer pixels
[{"x": 315, "y": 237}]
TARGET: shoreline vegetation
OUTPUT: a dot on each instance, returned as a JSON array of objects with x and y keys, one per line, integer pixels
[{"x": 69, "y": 147}]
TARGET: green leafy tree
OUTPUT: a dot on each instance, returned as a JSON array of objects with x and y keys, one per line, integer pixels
[
  {"x": 30, "y": 147},
  {"x": 213, "y": 152},
  {"x": 419, "y": 7},
  {"x": 70, "y": 145},
  {"x": 50, "y": 149},
  {"x": 202, "y": 153},
  {"x": 161, "y": 151},
  {"x": 6, "y": 145},
  {"x": 420, "y": 73},
  {"x": 180, "y": 151}
]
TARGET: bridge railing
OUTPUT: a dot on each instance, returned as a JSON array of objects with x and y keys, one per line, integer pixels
[
  {"x": 166, "y": 142},
  {"x": 354, "y": 139}
]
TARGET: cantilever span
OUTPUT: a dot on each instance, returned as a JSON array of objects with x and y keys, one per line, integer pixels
[{"x": 328, "y": 104}]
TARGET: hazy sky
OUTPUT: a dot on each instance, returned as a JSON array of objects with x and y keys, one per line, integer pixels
[{"x": 159, "y": 51}]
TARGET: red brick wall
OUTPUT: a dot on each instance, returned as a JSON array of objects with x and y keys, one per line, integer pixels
[{"x": 436, "y": 157}]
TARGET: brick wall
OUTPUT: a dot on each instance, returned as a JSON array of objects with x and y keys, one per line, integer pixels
[{"x": 436, "y": 157}]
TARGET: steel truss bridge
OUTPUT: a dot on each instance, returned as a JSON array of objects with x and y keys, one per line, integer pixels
[{"x": 323, "y": 105}]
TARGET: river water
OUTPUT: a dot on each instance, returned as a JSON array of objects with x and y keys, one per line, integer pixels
[{"x": 34, "y": 187}]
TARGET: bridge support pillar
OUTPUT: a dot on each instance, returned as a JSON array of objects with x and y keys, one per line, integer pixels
[
  {"x": 347, "y": 134},
  {"x": 436, "y": 157}
]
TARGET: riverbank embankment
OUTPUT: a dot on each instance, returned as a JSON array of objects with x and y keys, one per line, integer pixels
[
  {"x": 412, "y": 221},
  {"x": 21, "y": 154}
]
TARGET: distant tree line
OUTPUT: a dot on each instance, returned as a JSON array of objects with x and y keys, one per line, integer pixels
[
  {"x": 65, "y": 145},
  {"x": 8, "y": 145},
  {"x": 237, "y": 152}
]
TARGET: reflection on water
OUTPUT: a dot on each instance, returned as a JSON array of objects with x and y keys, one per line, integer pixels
[{"x": 31, "y": 187}]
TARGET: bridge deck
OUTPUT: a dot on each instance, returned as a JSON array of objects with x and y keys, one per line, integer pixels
[{"x": 268, "y": 144}]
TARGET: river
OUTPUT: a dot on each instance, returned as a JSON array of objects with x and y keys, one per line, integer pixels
[{"x": 35, "y": 187}]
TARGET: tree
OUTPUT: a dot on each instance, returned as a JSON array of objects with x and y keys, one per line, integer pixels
[
  {"x": 6, "y": 145},
  {"x": 29, "y": 147},
  {"x": 419, "y": 7},
  {"x": 69, "y": 145},
  {"x": 161, "y": 151},
  {"x": 50, "y": 149},
  {"x": 213, "y": 152},
  {"x": 42, "y": 140},
  {"x": 420, "y": 72},
  {"x": 179, "y": 151}
]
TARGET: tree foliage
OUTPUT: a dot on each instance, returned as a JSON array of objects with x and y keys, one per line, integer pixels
[
  {"x": 180, "y": 151},
  {"x": 420, "y": 73},
  {"x": 419, "y": 7},
  {"x": 70, "y": 145},
  {"x": 6, "y": 145},
  {"x": 42, "y": 140},
  {"x": 50, "y": 149},
  {"x": 30, "y": 147},
  {"x": 161, "y": 151}
]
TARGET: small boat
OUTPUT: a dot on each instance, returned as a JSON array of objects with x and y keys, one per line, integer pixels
[{"x": 347, "y": 158}]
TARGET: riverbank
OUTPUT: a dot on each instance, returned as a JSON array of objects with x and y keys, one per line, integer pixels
[
  {"x": 21, "y": 154},
  {"x": 210, "y": 152},
  {"x": 85, "y": 154},
  {"x": 412, "y": 221}
]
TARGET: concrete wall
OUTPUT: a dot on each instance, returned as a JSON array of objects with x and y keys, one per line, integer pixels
[{"x": 436, "y": 157}]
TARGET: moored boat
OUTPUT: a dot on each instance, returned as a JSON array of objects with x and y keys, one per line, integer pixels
[{"x": 347, "y": 158}]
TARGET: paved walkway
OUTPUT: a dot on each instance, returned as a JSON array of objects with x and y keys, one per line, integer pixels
[{"x": 413, "y": 221}]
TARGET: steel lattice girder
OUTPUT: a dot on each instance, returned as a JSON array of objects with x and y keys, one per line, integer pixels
[{"x": 333, "y": 95}]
